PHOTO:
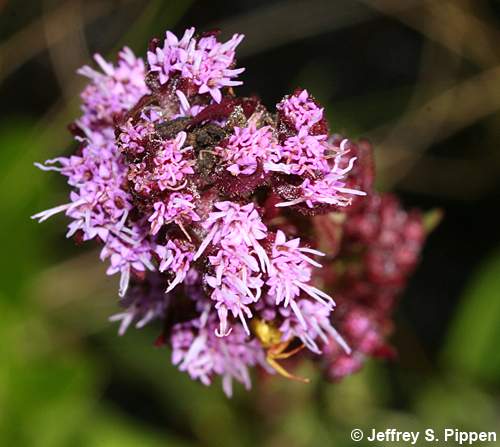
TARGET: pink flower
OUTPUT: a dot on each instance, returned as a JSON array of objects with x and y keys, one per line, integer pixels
[
  {"x": 175, "y": 257},
  {"x": 114, "y": 91},
  {"x": 246, "y": 147},
  {"x": 318, "y": 328},
  {"x": 99, "y": 205},
  {"x": 290, "y": 274},
  {"x": 206, "y": 62},
  {"x": 301, "y": 110},
  {"x": 163, "y": 59},
  {"x": 235, "y": 232},
  {"x": 198, "y": 351},
  {"x": 132, "y": 137},
  {"x": 300, "y": 154},
  {"x": 345, "y": 365},
  {"x": 329, "y": 189},
  {"x": 236, "y": 285},
  {"x": 170, "y": 165},
  {"x": 235, "y": 226},
  {"x": 127, "y": 257},
  {"x": 179, "y": 209}
]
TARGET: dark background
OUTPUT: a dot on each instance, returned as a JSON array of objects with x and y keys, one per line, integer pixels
[{"x": 420, "y": 78}]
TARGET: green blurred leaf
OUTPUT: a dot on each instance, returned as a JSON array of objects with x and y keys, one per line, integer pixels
[
  {"x": 46, "y": 390},
  {"x": 455, "y": 403},
  {"x": 110, "y": 429},
  {"x": 205, "y": 411},
  {"x": 474, "y": 337}
]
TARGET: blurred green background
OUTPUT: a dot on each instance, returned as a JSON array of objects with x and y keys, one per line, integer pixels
[{"x": 420, "y": 78}]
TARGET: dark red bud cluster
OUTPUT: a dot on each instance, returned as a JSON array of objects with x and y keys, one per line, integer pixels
[{"x": 377, "y": 246}]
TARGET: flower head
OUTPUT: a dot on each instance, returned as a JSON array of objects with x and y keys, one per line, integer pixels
[
  {"x": 246, "y": 147},
  {"x": 176, "y": 257},
  {"x": 179, "y": 209},
  {"x": 238, "y": 227},
  {"x": 290, "y": 274},
  {"x": 236, "y": 284},
  {"x": 235, "y": 231},
  {"x": 100, "y": 206},
  {"x": 205, "y": 62},
  {"x": 133, "y": 137},
  {"x": 201, "y": 201},
  {"x": 319, "y": 328},
  {"x": 300, "y": 154},
  {"x": 329, "y": 189},
  {"x": 164, "y": 168},
  {"x": 301, "y": 110},
  {"x": 127, "y": 257},
  {"x": 198, "y": 351},
  {"x": 114, "y": 90}
]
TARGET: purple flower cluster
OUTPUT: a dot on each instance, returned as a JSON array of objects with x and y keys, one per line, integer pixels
[
  {"x": 204, "y": 62},
  {"x": 246, "y": 147},
  {"x": 99, "y": 203},
  {"x": 208, "y": 205},
  {"x": 197, "y": 350},
  {"x": 113, "y": 91}
]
